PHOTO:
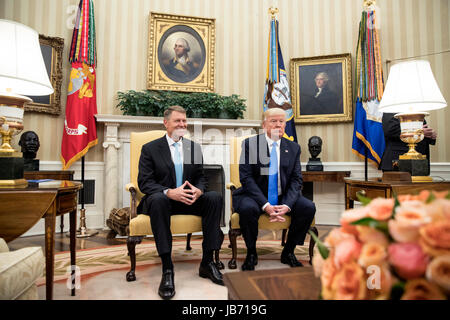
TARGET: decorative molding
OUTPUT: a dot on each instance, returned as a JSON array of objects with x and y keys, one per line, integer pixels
[{"x": 134, "y": 120}]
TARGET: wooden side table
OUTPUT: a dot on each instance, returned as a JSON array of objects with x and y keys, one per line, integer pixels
[
  {"x": 309, "y": 177},
  {"x": 22, "y": 207},
  {"x": 275, "y": 284},
  {"x": 51, "y": 174},
  {"x": 375, "y": 188}
]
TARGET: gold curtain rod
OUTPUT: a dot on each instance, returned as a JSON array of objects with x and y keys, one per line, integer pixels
[{"x": 422, "y": 55}]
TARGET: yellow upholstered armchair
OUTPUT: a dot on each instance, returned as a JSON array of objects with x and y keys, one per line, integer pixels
[
  {"x": 140, "y": 224},
  {"x": 263, "y": 222}
]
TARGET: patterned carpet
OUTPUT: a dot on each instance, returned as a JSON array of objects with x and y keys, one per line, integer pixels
[{"x": 102, "y": 271}]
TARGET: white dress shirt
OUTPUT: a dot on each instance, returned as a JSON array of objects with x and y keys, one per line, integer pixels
[{"x": 171, "y": 143}]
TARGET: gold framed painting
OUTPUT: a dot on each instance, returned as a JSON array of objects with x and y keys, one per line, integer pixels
[
  {"x": 181, "y": 53},
  {"x": 52, "y": 51},
  {"x": 321, "y": 89}
]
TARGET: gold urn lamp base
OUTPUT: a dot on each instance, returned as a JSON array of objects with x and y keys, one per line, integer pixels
[
  {"x": 412, "y": 133},
  {"x": 11, "y": 161}
]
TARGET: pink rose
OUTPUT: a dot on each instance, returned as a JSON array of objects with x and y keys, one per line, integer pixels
[
  {"x": 409, "y": 217},
  {"x": 328, "y": 272},
  {"x": 337, "y": 235},
  {"x": 381, "y": 209},
  {"x": 350, "y": 216},
  {"x": 367, "y": 234},
  {"x": 435, "y": 238},
  {"x": 346, "y": 251},
  {"x": 439, "y": 209},
  {"x": 408, "y": 260},
  {"x": 349, "y": 283},
  {"x": 372, "y": 253}
]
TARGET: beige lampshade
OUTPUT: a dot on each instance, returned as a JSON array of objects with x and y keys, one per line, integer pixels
[
  {"x": 411, "y": 87},
  {"x": 22, "y": 68}
]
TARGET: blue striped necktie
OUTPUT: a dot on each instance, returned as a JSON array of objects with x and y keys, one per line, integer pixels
[
  {"x": 178, "y": 165},
  {"x": 273, "y": 176}
]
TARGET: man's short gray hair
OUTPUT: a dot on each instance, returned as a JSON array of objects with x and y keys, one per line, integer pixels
[
  {"x": 185, "y": 44},
  {"x": 324, "y": 75},
  {"x": 171, "y": 109}
]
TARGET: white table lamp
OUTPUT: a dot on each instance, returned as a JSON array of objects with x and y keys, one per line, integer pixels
[
  {"x": 411, "y": 90},
  {"x": 22, "y": 72}
]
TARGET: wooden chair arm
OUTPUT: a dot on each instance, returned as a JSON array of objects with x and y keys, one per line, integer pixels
[
  {"x": 130, "y": 187},
  {"x": 231, "y": 186}
]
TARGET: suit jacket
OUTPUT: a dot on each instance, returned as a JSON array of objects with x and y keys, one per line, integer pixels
[
  {"x": 395, "y": 146},
  {"x": 157, "y": 171},
  {"x": 327, "y": 102},
  {"x": 253, "y": 171}
]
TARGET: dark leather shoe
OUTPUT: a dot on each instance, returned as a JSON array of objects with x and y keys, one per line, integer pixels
[
  {"x": 250, "y": 262},
  {"x": 291, "y": 260},
  {"x": 210, "y": 271},
  {"x": 167, "y": 285}
]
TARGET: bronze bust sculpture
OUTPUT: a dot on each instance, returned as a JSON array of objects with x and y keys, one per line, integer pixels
[
  {"x": 315, "y": 148},
  {"x": 29, "y": 142}
]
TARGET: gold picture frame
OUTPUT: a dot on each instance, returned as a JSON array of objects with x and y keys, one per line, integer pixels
[
  {"x": 52, "y": 51},
  {"x": 332, "y": 103},
  {"x": 192, "y": 72}
]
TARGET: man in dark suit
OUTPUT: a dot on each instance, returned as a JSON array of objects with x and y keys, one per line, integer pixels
[
  {"x": 270, "y": 174},
  {"x": 172, "y": 178},
  {"x": 396, "y": 147}
]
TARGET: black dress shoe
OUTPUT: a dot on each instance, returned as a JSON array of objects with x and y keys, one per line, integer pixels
[
  {"x": 291, "y": 260},
  {"x": 210, "y": 271},
  {"x": 167, "y": 285},
  {"x": 250, "y": 262}
]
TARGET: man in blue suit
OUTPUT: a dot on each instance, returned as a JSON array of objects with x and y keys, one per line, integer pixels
[{"x": 271, "y": 178}]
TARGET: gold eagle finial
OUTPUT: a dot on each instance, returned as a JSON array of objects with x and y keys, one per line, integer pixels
[{"x": 273, "y": 11}]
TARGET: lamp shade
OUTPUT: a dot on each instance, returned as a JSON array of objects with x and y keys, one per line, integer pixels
[
  {"x": 22, "y": 68},
  {"x": 411, "y": 87}
]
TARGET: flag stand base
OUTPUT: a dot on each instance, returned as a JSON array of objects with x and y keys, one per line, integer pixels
[{"x": 83, "y": 232}]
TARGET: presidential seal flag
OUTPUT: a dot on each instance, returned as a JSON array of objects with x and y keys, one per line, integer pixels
[
  {"x": 368, "y": 136},
  {"x": 80, "y": 131},
  {"x": 276, "y": 90}
]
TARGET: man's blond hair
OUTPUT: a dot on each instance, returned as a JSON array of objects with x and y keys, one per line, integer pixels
[{"x": 273, "y": 112}]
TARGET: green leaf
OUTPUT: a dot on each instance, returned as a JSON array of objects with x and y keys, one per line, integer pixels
[
  {"x": 364, "y": 200},
  {"x": 324, "y": 252},
  {"x": 397, "y": 290},
  {"x": 431, "y": 198},
  {"x": 447, "y": 196},
  {"x": 396, "y": 204},
  {"x": 370, "y": 222},
  {"x": 203, "y": 104}
]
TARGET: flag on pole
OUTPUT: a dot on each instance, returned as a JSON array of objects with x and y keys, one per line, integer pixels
[
  {"x": 276, "y": 91},
  {"x": 368, "y": 137},
  {"x": 80, "y": 131}
]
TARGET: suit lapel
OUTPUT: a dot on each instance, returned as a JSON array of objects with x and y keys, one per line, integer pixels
[
  {"x": 284, "y": 161},
  {"x": 187, "y": 155},
  {"x": 167, "y": 158}
]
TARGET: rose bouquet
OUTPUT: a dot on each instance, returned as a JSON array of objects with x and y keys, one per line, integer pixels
[{"x": 388, "y": 249}]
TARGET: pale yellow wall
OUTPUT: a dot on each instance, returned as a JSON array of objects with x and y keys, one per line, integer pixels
[{"x": 307, "y": 28}]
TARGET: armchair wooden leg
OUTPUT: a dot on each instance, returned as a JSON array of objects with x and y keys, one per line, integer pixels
[
  {"x": 232, "y": 234},
  {"x": 188, "y": 242},
  {"x": 312, "y": 243},
  {"x": 131, "y": 245},
  {"x": 283, "y": 237}
]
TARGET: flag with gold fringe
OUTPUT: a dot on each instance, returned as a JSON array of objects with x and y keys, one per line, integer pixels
[
  {"x": 368, "y": 137},
  {"x": 80, "y": 131},
  {"x": 276, "y": 90}
]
